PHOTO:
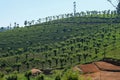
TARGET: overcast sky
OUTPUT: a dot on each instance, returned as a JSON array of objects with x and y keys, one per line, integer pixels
[{"x": 20, "y": 10}]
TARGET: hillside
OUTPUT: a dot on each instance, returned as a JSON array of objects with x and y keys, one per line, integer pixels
[
  {"x": 59, "y": 43},
  {"x": 21, "y": 39}
]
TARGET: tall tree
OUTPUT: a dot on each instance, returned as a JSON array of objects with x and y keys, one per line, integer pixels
[
  {"x": 39, "y": 20},
  {"x": 25, "y": 22},
  {"x": 33, "y": 22},
  {"x": 15, "y": 24},
  {"x": 79, "y": 56},
  {"x": 50, "y": 62},
  {"x": 29, "y": 23}
]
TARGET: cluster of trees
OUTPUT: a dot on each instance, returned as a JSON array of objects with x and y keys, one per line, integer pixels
[
  {"x": 58, "y": 45},
  {"x": 62, "y": 16},
  {"x": 78, "y": 14},
  {"x": 66, "y": 74},
  {"x": 60, "y": 42},
  {"x": 67, "y": 40},
  {"x": 5, "y": 28},
  {"x": 105, "y": 13}
]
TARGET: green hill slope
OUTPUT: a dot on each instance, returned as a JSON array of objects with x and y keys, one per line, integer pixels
[
  {"x": 55, "y": 31},
  {"x": 60, "y": 43}
]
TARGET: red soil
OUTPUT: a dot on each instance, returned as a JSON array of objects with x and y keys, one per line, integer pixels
[
  {"x": 88, "y": 68},
  {"x": 107, "y": 66},
  {"x": 103, "y": 75},
  {"x": 99, "y": 71}
]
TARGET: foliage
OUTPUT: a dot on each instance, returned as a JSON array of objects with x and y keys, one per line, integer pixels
[
  {"x": 8, "y": 69},
  {"x": 12, "y": 77},
  {"x": 71, "y": 75},
  {"x": 1, "y": 75},
  {"x": 40, "y": 77},
  {"x": 28, "y": 74},
  {"x": 58, "y": 77},
  {"x": 61, "y": 43}
]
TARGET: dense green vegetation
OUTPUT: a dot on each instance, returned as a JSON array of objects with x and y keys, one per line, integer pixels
[{"x": 60, "y": 44}]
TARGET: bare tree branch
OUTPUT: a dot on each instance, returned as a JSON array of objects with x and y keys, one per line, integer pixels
[{"x": 112, "y": 3}]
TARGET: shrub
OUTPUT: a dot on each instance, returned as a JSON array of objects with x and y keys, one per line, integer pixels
[
  {"x": 71, "y": 75},
  {"x": 57, "y": 77},
  {"x": 15, "y": 72},
  {"x": 40, "y": 77},
  {"x": 1, "y": 75},
  {"x": 8, "y": 69},
  {"x": 12, "y": 77},
  {"x": 28, "y": 74}
]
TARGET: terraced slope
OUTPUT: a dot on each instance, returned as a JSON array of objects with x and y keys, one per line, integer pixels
[{"x": 59, "y": 44}]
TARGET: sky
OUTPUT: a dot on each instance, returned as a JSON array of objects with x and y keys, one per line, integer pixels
[{"x": 20, "y": 10}]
